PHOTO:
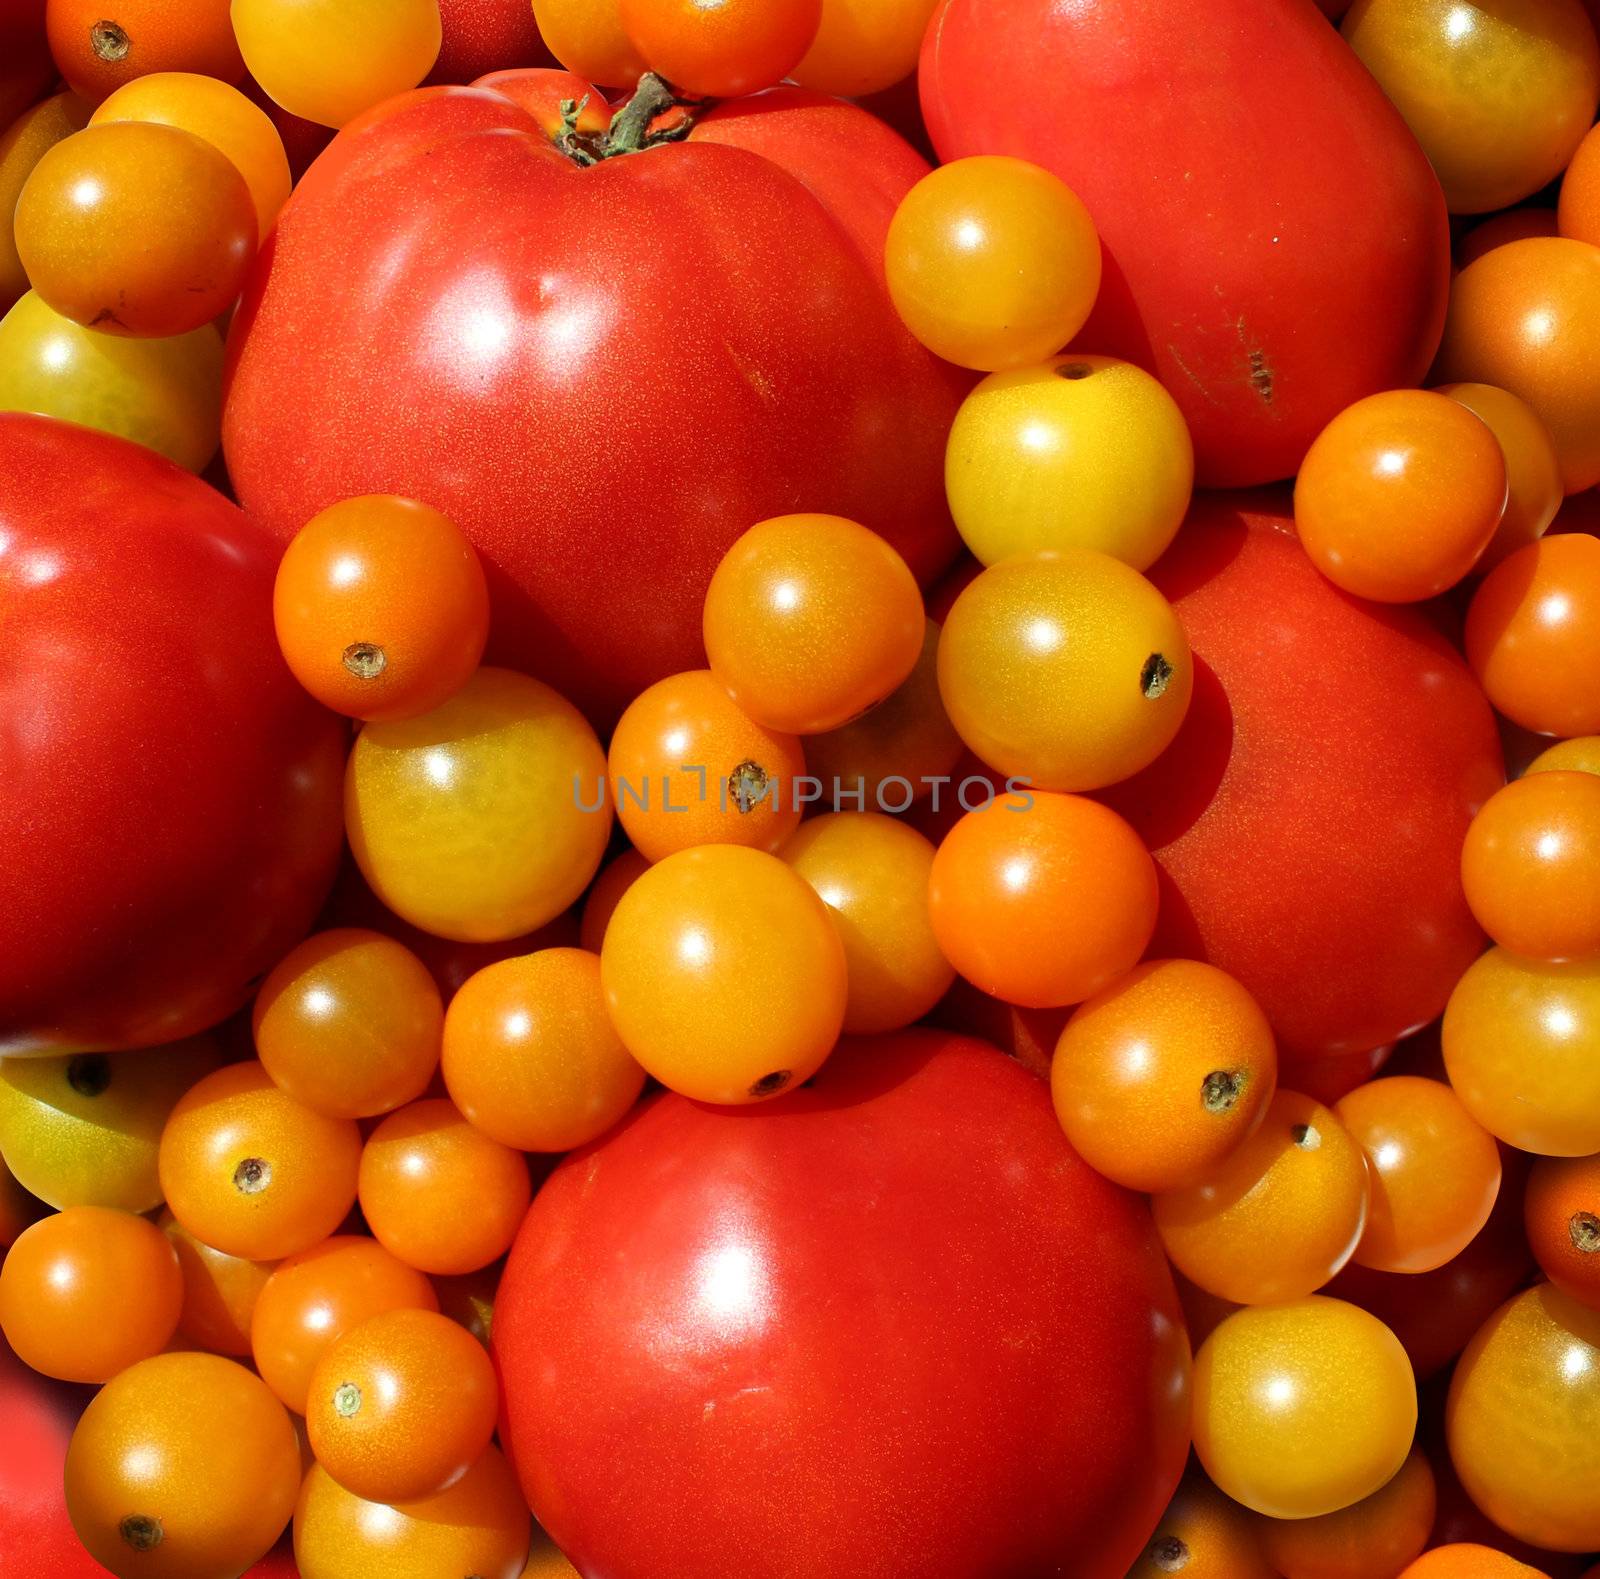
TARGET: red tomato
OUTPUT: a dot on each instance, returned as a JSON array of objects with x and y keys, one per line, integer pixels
[
  {"x": 1309, "y": 817},
  {"x": 1276, "y": 244},
  {"x": 486, "y": 35},
  {"x": 169, "y": 796},
  {"x": 898, "y": 1279},
  {"x": 449, "y": 302}
]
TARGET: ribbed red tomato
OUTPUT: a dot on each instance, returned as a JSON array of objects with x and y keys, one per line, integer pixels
[
  {"x": 602, "y": 374},
  {"x": 169, "y": 797},
  {"x": 1308, "y": 818},
  {"x": 889, "y": 1324}
]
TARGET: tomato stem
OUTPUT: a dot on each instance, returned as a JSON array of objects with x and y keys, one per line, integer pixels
[{"x": 633, "y": 128}]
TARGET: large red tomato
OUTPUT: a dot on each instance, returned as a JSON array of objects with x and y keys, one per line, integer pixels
[
  {"x": 1307, "y": 821},
  {"x": 887, "y": 1325},
  {"x": 169, "y": 797},
  {"x": 604, "y": 374},
  {"x": 1276, "y": 244}
]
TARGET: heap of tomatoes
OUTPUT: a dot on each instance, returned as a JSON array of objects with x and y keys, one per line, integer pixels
[{"x": 680, "y": 896}]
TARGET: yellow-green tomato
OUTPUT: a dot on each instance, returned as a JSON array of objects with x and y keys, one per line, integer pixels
[
  {"x": 1078, "y": 452},
  {"x": 1302, "y": 1409},
  {"x": 484, "y": 818},
  {"x": 163, "y": 394},
  {"x": 1067, "y": 669}
]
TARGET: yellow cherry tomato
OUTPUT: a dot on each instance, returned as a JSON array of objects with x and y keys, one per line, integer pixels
[
  {"x": 163, "y": 394},
  {"x": 1304, "y": 1408},
  {"x": 1065, "y": 669},
  {"x": 328, "y": 60},
  {"x": 724, "y": 975},
  {"x": 864, "y": 46},
  {"x": 85, "y": 1130},
  {"x": 1080, "y": 452},
  {"x": 1499, "y": 96},
  {"x": 871, "y": 871},
  {"x": 25, "y": 143},
  {"x": 992, "y": 263},
  {"x": 484, "y": 818},
  {"x": 1523, "y": 1420},
  {"x": 1581, "y": 755}
]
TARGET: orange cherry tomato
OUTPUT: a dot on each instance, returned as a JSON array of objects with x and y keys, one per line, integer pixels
[
  {"x": 440, "y": 1194},
  {"x": 479, "y": 1527},
  {"x": 313, "y": 1298},
  {"x": 1562, "y": 1213},
  {"x": 687, "y": 767},
  {"x": 724, "y": 975},
  {"x": 586, "y": 36},
  {"x": 1162, "y": 1076},
  {"x": 219, "y": 1291},
  {"x": 1468, "y": 1560},
  {"x": 721, "y": 48},
  {"x": 1370, "y": 1539},
  {"x": 1526, "y": 317},
  {"x": 1202, "y": 1535},
  {"x": 810, "y": 620},
  {"x": 350, "y": 1024},
  {"x": 88, "y": 1292},
  {"x": 1042, "y": 900},
  {"x": 1578, "y": 210},
  {"x": 135, "y": 228},
  {"x": 381, "y": 607},
  {"x": 22, "y": 145},
  {"x": 184, "y": 1465},
  {"x": 251, "y": 1171},
  {"x": 530, "y": 1056},
  {"x": 1435, "y": 1172},
  {"x": 402, "y": 1406},
  {"x": 1515, "y": 224},
  {"x": 100, "y": 46},
  {"x": 1533, "y": 635},
  {"x": 1531, "y": 866},
  {"x": 1279, "y": 1217},
  {"x": 864, "y": 46},
  {"x": 602, "y": 900},
  {"x": 547, "y": 1561},
  {"x": 872, "y": 873},
  {"x": 1581, "y": 755},
  {"x": 1400, "y": 494}
]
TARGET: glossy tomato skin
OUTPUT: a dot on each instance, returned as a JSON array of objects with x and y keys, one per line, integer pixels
[
  {"x": 169, "y": 797},
  {"x": 1307, "y": 821},
  {"x": 891, "y": 1325},
  {"x": 1276, "y": 245},
  {"x": 602, "y": 375}
]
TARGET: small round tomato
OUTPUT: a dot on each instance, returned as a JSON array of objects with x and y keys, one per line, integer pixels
[
  {"x": 349, "y": 1023},
  {"x": 1526, "y": 317},
  {"x": 721, "y": 48},
  {"x": 864, "y": 46},
  {"x": 1562, "y": 1214},
  {"x": 22, "y": 145},
  {"x": 163, "y": 394},
  {"x": 724, "y": 975},
  {"x": 1435, "y": 1172},
  {"x": 615, "y": 879},
  {"x": 1371, "y": 1539},
  {"x": 220, "y": 115},
  {"x": 1531, "y": 866},
  {"x": 1516, "y": 224},
  {"x": 688, "y": 767},
  {"x": 586, "y": 36},
  {"x": 1279, "y": 1217},
  {"x": 1400, "y": 494},
  {"x": 219, "y": 1291},
  {"x": 810, "y": 620},
  {"x": 184, "y": 1465},
  {"x": 439, "y": 1194},
  {"x": 136, "y": 228},
  {"x": 1580, "y": 755},
  {"x": 479, "y": 1527},
  {"x": 1202, "y": 1535},
  {"x": 1468, "y": 1560},
  {"x": 1065, "y": 669},
  {"x": 100, "y": 46},
  {"x": 1519, "y": 1039},
  {"x": 992, "y": 263},
  {"x": 402, "y": 1406},
  {"x": 84, "y": 1130},
  {"x": 871, "y": 871},
  {"x": 484, "y": 818},
  {"x": 251, "y": 1171},
  {"x": 328, "y": 60},
  {"x": 530, "y": 1056},
  {"x": 1101, "y": 433},
  {"x": 88, "y": 1292},
  {"x": 315, "y": 1297},
  {"x": 1533, "y": 634},
  {"x": 1523, "y": 1420},
  {"x": 1304, "y": 1408},
  {"x": 1041, "y": 899},
  {"x": 381, "y": 607},
  {"x": 1162, "y": 1076}
]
